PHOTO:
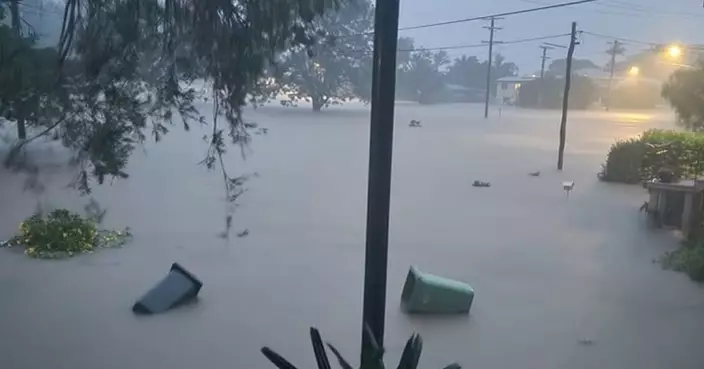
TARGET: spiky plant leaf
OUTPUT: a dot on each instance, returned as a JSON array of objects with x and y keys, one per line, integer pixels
[
  {"x": 275, "y": 358},
  {"x": 343, "y": 363},
  {"x": 453, "y": 366},
  {"x": 411, "y": 353},
  {"x": 319, "y": 349}
]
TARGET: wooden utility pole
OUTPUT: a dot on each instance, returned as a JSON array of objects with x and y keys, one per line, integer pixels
[
  {"x": 543, "y": 58},
  {"x": 491, "y": 29},
  {"x": 16, "y": 21},
  {"x": 566, "y": 96},
  {"x": 613, "y": 51},
  {"x": 379, "y": 182}
]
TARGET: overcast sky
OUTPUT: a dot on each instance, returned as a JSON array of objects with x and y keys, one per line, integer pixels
[{"x": 644, "y": 20}]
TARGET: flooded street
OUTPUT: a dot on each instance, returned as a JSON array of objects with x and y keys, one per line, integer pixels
[{"x": 549, "y": 272}]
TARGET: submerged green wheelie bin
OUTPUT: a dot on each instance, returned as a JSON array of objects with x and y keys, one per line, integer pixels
[{"x": 425, "y": 293}]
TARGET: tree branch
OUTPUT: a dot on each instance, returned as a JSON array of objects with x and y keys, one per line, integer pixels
[{"x": 15, "y": 150}]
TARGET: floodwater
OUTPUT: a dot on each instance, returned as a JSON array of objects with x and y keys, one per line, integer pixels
[{"x": 560, "y": 283}]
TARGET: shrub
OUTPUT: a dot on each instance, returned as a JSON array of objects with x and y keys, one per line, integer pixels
[
  {"x": 62, "y": 233},
  {"x": 688, "y": 259},
  {"x": 643, "y": 158},
  {"x": 624, "y": 162}
]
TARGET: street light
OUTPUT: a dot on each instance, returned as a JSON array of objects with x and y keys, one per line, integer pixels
[
  {"x": 674, "y": 51},
  {"x": 634, "y": 71}
]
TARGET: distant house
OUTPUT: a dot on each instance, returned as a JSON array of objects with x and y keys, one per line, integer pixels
[
  {"x": 458, "y": 93},
  {"x": 507, "y": 88}
]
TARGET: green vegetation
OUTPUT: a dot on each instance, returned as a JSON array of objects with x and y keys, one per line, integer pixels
[
  {"x": 655, "y": 151},
  {"x": 124, "y": 72},
  {"x": 689, "y": 259},
  {"x": 62, "y": 233},
  {"x": 624, "y": 162},
  {"x": 337, "y": 67},
  {"x": 648, "y": 156},
  {"x": 409, "y": 358},
  {"x": 684, "y": 92}
]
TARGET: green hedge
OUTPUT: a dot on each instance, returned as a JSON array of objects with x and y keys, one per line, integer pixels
[{"x": 642, "y": 158}]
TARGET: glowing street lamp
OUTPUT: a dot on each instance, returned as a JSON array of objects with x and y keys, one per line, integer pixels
[
  {"x": 634, "y": 71},
  {"x": 674, "y": 51}
]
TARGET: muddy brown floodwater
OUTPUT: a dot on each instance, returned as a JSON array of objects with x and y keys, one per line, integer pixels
[{"x": 560, "y": 283}]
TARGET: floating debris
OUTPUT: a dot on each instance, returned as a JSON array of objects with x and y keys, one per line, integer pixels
[
  {"x": 244, "y": 233},
  {"x": 481, "y": 184},
  {"x": 534, "y": 174},
  {"x": 414, "y": 123}
]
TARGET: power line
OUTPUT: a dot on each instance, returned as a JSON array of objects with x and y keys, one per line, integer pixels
[
  {"x": 613, "y": 7},
  {"x": 621, "y": 38},
  {"x": 469, "y": 46},
  {"x": 646, "y": 9},
  {"x": 485, "y": 17}
]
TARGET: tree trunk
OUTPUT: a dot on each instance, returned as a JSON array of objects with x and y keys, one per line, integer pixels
[
  {"x": 15, "y": 15},
  {"x": 317, "y": 103}
]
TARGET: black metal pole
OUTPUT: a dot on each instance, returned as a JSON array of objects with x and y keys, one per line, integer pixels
[
  {"x": 379, "y": 185},
  {"x": 566, "y": 97},
  {"x": 488, "y": 68}
]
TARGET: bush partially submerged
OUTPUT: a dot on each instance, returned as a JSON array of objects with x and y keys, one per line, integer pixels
[
  {"x": 687, "y": 259},
  {"x": 62, "y": 233},
  {"x": 624, "y": 162},
  {"x": 655, "y": 151}
]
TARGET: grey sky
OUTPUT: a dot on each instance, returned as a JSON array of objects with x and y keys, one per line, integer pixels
[{"x": 646, "y": 20}]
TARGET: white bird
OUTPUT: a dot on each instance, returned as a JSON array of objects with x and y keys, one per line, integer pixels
[{"x": 568, "y": 186}]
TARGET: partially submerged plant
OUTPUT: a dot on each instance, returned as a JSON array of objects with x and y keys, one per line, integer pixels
[
  {"x": 62, "y": 233},
  {"x": 409, "y": 358}
]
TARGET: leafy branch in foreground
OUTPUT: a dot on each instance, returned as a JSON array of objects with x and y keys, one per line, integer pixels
[
  {"x": 409, "y": 358},
  {"x": 124, "y": 70}
]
